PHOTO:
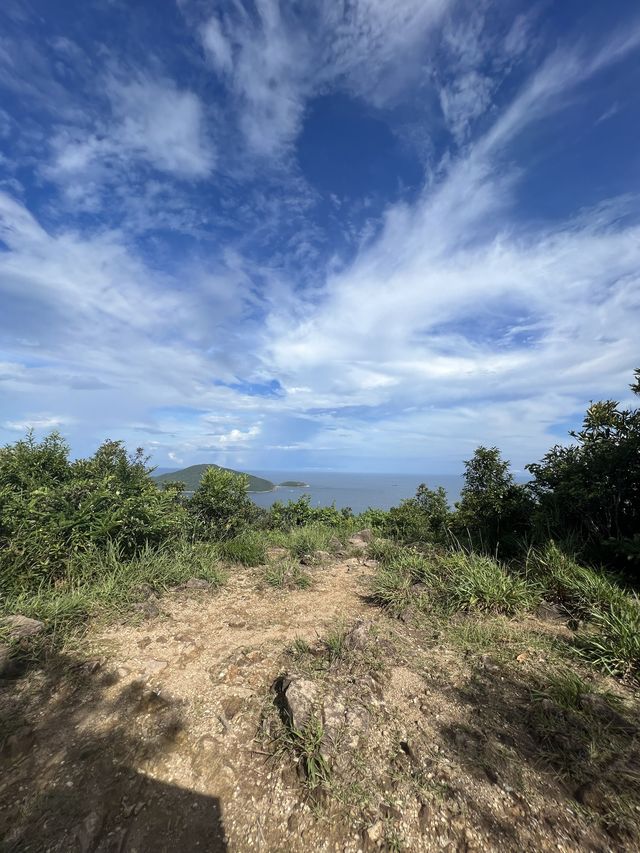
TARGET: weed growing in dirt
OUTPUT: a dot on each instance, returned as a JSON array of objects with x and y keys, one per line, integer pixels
[
  {"x": 286, "y": 574},
  {"x": 306, "y": 746},
  {"x": 335, "y": 643}
]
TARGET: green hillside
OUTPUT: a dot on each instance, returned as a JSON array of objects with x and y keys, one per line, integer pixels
[{"x": 192, "y": 475}]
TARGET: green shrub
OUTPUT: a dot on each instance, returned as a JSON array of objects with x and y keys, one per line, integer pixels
[
  {"x": 309, "y": 539},
  {"x": 425, "y": 518},
  {"x": 590, "y": 490},
  {"x": 300, "y": 513},
  {"x": 221, "y": 505},
  {"x": 493, "y": 514},
  {"x": 52, "y": 510}
]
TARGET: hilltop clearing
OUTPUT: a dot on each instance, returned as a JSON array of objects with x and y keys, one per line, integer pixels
[
  {"x": 288, "y": 710},
  {"x": 192, "y": 475}
]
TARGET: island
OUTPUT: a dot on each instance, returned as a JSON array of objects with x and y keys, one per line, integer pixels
[
  {"x": 294, "y": 484},
  {"x": 192, "y": 475}
]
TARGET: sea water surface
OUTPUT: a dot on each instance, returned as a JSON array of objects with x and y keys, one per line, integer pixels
[{"x": 357, "y": 491}]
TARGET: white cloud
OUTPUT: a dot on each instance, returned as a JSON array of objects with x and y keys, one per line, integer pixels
[
  {"x": 275, "y": 60},
  {"x": 152, "y": 121},
  {"x": 217, "y": 46},
  {"x": 39, "y": 422},
  {"x": 401, "y": 328}
]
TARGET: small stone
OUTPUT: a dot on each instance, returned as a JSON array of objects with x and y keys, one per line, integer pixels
[
  {"x": 22, "y": 627},
  {"x": 277, "y": 553},
  {"x": 19, "y": 743},
  {"x": 489, "y": 663},
  {"x": 155, "y": 666},
  {"x": 238, "y": 624},
  {"x": 358, "y": 636},
  {"x": 424, "y": 816},
  {"x": 375, "y": 832},
  {"x": 149, "y": 609},
  {"x": 197, "y": 583},
  {"x": 549, "y": 612},
  {"x": 87, "y": 833},
  {"x": 232, "y": 706},
  {"x": 589, "y": 796}
]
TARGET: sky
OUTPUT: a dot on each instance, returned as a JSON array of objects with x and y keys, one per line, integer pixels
[{"x": 361, "y": 236}]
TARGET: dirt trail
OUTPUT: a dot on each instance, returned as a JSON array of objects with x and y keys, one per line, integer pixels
[
  {"x": 160, "y": 736},
  {"x": 158, "y": 752}
]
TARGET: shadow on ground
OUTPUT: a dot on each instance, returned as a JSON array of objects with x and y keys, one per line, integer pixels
[
  {"x": 586, "y": 754},
  {"x": 74, "y": 752}
]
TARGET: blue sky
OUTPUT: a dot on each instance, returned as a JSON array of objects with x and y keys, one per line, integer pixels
[{"x": 365, "y": 236}]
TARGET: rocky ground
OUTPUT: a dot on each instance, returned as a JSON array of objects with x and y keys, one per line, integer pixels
[{"x": 254, "y": 718}]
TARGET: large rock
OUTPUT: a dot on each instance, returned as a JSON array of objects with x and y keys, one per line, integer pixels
[
  {"x": 299, "y": 699},
  {"x": 361, "y": 538},
  {"x": 21, "y": 627},
  {"x": 358, "y": 637}
]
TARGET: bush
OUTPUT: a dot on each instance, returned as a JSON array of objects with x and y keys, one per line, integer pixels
[
  {"x": 52, "y": 510},
  {"x": 300, "y": 513},
  {"x": 220, "y": 504},
  {"x": 590, "y": 490},
  {"x": 425, "y": 518},
  {"x": 493, "y": 514}
]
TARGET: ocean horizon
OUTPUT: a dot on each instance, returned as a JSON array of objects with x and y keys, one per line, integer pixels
[{"x": 355, "y": 490}]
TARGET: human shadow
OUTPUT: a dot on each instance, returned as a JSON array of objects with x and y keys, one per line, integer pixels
[{"x": 77, "y": 755}]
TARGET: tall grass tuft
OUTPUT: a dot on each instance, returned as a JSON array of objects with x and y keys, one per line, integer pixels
[{"x": 103, "y": 582}]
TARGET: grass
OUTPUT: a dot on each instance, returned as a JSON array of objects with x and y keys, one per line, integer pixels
[
  {"x": 335, "y": 643},
  {"x": 612, "y": 639},
  {"x": 248, "y": 549},
  {"x": 565, "y": 688},
  {"x": 101, "y": 583},
  {"x": 286, "y": 574},
  {"x": 306, "y": 746},
  {"x": 611, "y": 636},
  {"x": 449, "y": 582},
  {"x": 578, "y": 588}
]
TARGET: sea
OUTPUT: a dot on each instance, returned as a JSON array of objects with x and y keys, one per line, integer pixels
[{"x": 358, "y": 491}]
